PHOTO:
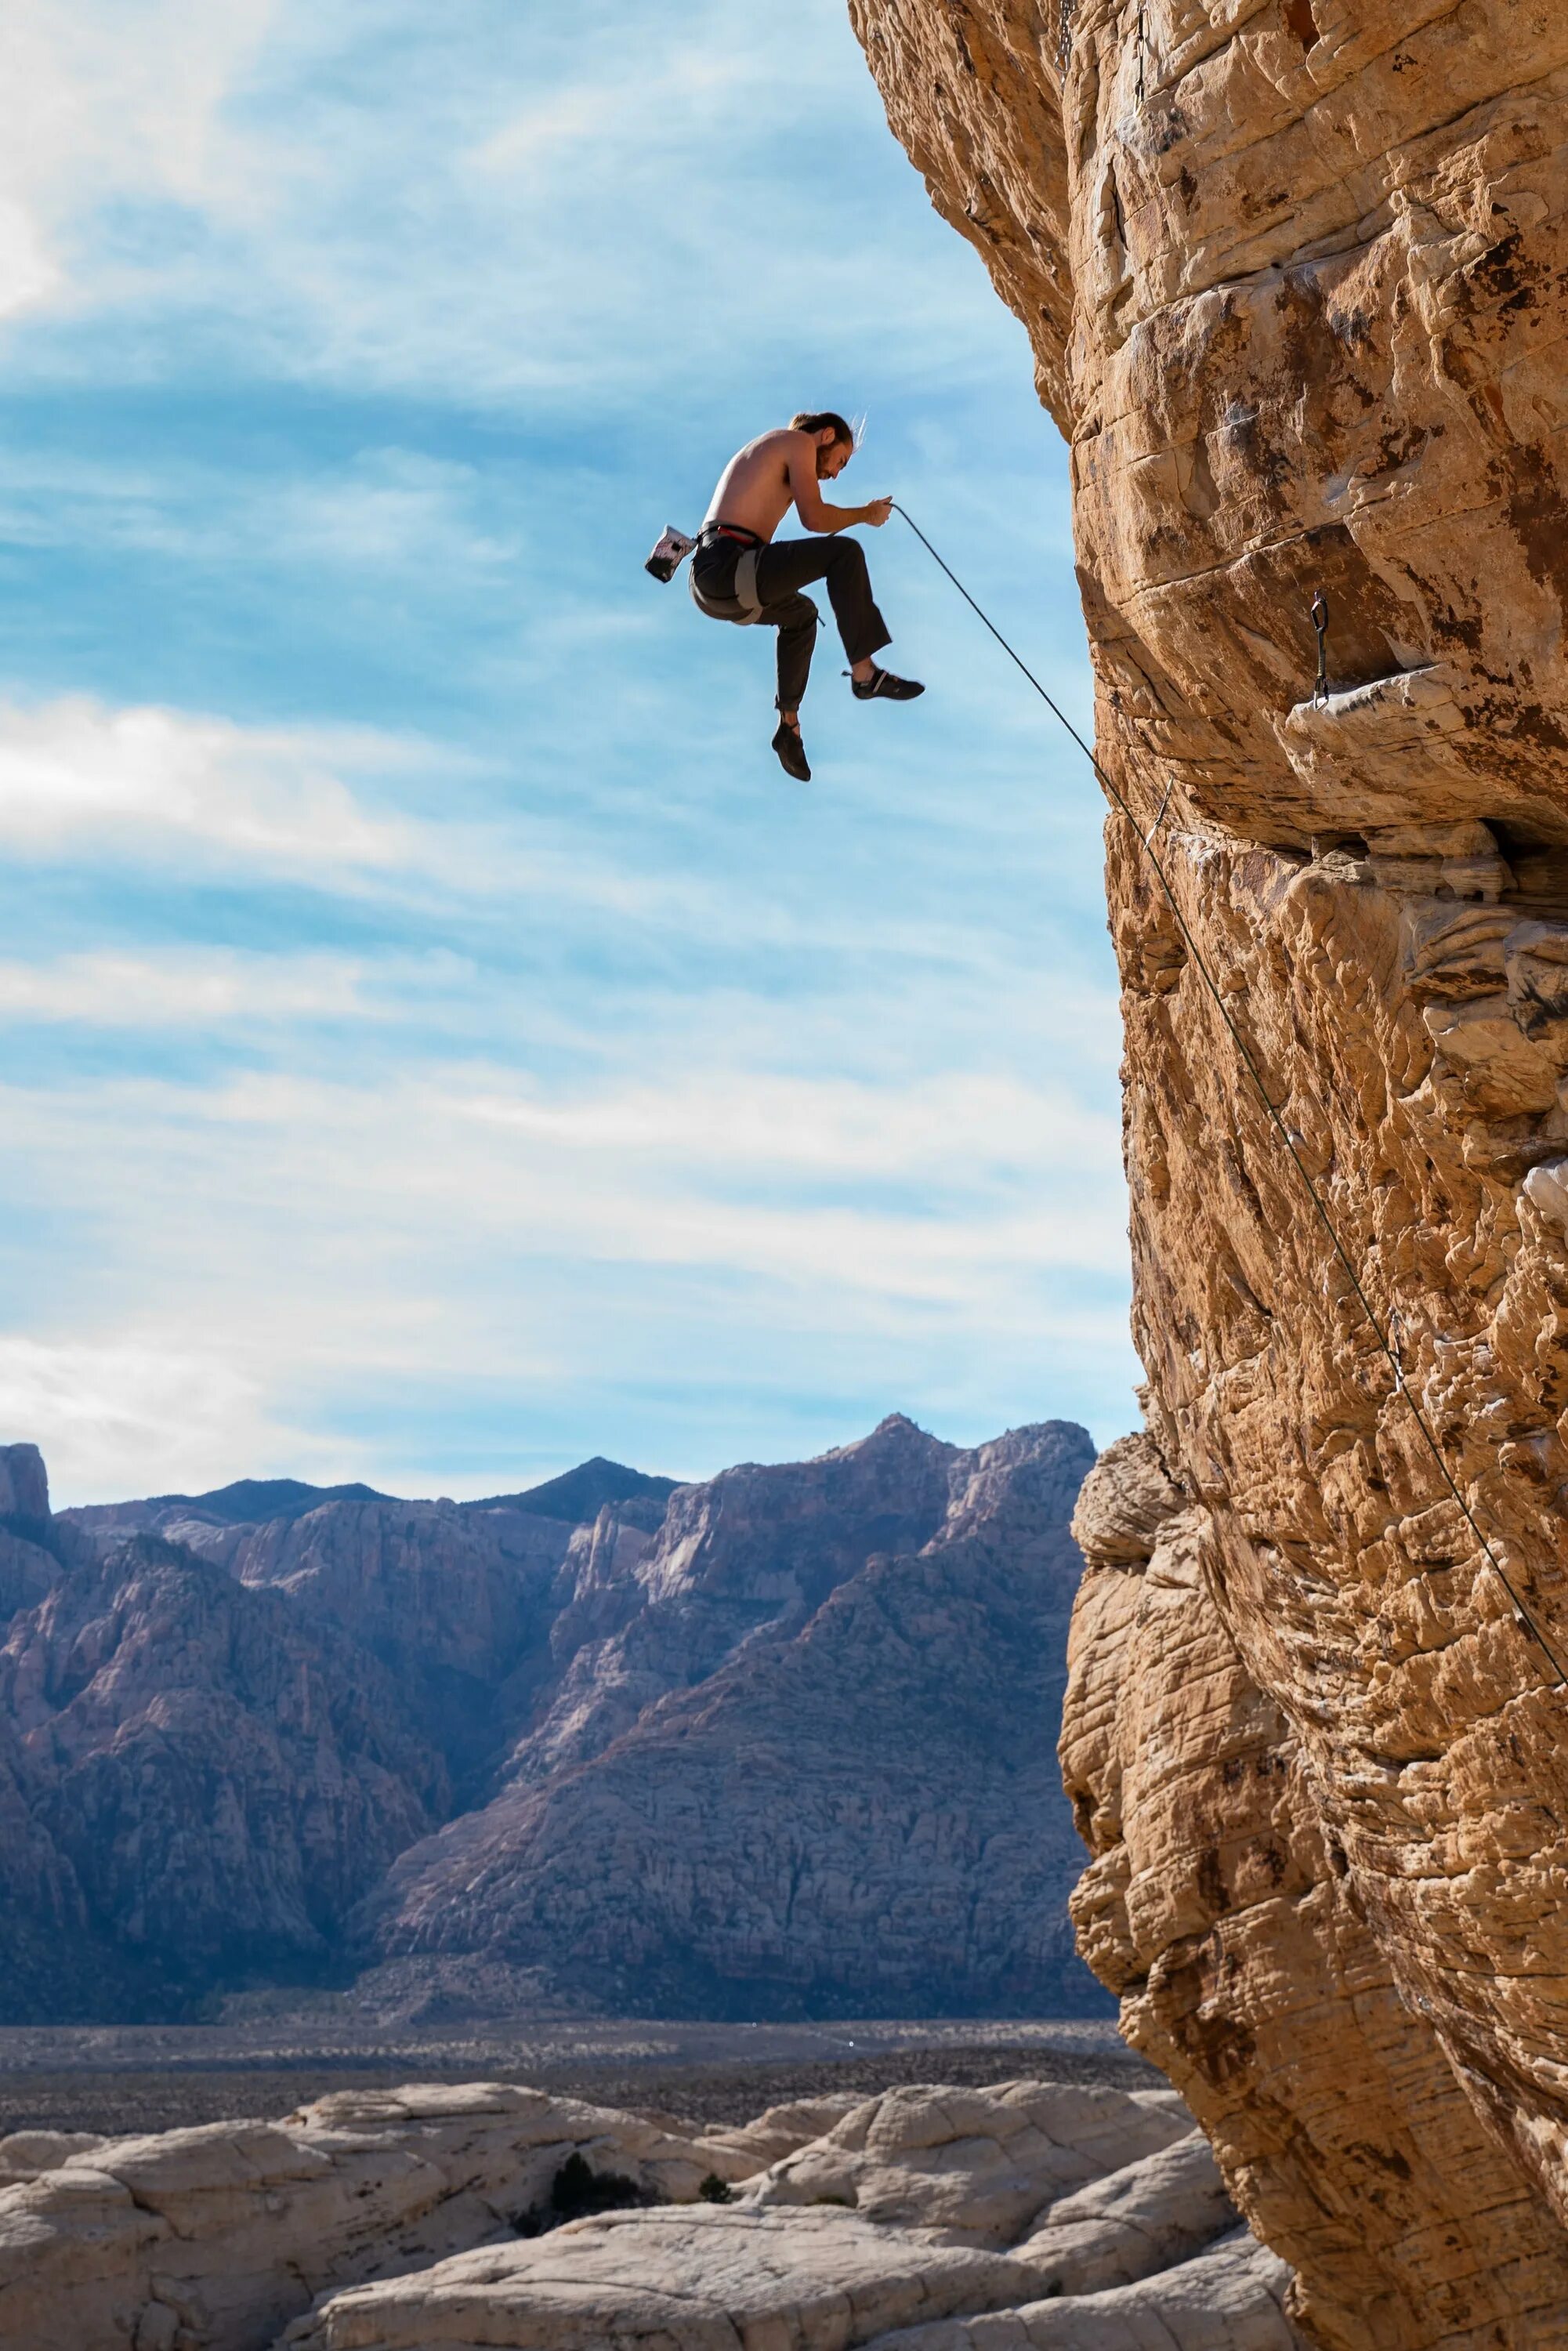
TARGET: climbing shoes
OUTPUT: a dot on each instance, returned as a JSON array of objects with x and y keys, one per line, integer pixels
[
  {"x": 881, "y": 686},
  {"x": 792, "y": 753}
]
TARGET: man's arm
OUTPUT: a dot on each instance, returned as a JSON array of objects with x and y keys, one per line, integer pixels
[{"x": 815, "y": 513}]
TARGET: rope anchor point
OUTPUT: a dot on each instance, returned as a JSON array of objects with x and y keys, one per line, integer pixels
[{"x": 1320, "y": 611}]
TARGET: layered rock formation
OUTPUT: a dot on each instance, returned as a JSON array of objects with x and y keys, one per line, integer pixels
[
  {"x": 1294, "y": 272},
  {"x": 776, "y": 1777},
  {"x": 928, "y": 2220},
  {"x": 194, "y": 1782},
  {"x": 1031, "y": 2213},
  {"x": 739, "y": 1753},
  {"x": 214, "y": 2239}
]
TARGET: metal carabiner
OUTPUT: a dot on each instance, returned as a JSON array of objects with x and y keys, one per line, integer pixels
[{"x": 1320, "y": 610}]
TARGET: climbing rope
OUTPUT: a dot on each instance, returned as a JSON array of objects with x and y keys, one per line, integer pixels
[{"x": 1522, "y": 1615}]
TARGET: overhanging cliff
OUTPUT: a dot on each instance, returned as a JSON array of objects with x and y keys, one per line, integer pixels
[{"x": 1296, "y": 276}]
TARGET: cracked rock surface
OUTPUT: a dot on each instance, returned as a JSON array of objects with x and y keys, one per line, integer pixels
[
  {"x": 1031, "y": 2213},
  {"x": 412, "y": 2218},
  {"x": 1294, "y": 272}
]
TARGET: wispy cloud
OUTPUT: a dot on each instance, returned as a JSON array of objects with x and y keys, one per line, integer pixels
[
  {"x": 112, "y": 778},
  {"x": 111, "y": 1414},
  {"x": 536, "y": 245},
  {"x": 112, "y": 100},
  {"x": 181, "y": 989},
  {"x": 450, "y": 1224}
]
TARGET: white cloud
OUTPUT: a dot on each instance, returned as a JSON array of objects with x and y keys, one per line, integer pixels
[
  {"x": 389, "y": 508},
  {"x": 106, "y": 100},
  {"x": 74, "y": 772},
  {"x": 379, "y": 198},
  {"x": 386, "y": 511},
  {"x": 112, "y": 1413},
  {"x": 28, "y": 271},
  {"x": 216, "y": 990},
  {"x": 656, "y": 104},
  {"x": 306, "y": 1205},
  {"x": 950, "y": 1126}
]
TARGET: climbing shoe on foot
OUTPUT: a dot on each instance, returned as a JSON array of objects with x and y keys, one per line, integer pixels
[
  {"x": 792, "y": 753},
  {"x": 881, "y": 686}
]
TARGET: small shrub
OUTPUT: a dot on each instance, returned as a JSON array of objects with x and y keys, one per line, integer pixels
[
  {"x": 578, "y": 2189},
  {"x": 714, "y": 2190}
]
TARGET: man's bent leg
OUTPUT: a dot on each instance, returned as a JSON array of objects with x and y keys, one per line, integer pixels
[
  {"x": 795, "y": 618},
  {"x": 794, "y": 563},
  {"x": 861, "y": 625}
]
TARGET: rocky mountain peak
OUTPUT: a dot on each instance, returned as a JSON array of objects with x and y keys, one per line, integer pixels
[
  {"x": 24, "y": 1486},
  {"x": 729, "y": 1800}
]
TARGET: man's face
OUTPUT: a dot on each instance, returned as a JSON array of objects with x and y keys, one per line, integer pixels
[{"x": 833, "y": 457}]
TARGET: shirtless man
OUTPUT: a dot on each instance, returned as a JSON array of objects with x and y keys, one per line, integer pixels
[{"x": 737, "y": 574}]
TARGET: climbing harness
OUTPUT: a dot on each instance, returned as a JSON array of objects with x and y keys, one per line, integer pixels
[
  {"x": 1386, "y": 1337},
  {"x": 744, "y": 595},
  {"x": 1319, "y": 612},
  {"x": 743, "y": 604}
]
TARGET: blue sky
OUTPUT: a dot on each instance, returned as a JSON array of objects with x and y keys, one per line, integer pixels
[{"x": 436, "y": 1043}]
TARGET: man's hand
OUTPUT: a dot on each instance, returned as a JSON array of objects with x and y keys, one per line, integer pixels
[{"x": 877, "y": 512}]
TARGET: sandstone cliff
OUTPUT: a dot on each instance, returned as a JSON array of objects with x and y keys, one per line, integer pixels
[{"x": 1294, "y": 272}]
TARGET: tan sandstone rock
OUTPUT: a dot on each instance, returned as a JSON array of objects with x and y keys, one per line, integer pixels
[
  {"x": 944, "y": 2212},
  {"x": 1294, "y": 274},
  {"x": 979, "y": 2165},
  {"x": 24, "y": 2154},
  {"x": 1230, "y": 2299},
  {"x": 212, "y": 2239},
  {"x": 401, "y": 2209}
]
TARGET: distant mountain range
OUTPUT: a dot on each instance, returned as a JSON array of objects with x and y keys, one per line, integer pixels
[
  {"x": 581, "y": 1494},
  {"x": 781, "y": 1743}
]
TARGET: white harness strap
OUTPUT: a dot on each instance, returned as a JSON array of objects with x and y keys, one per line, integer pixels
[{"x": 745, "y": 594}]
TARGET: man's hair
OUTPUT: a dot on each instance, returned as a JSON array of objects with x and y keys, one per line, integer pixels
[{"x": 818, "y": 419}]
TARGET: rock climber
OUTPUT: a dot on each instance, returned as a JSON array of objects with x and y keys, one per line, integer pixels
[{"x": 738, "y": 574}]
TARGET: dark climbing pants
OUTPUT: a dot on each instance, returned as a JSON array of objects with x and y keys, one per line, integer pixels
[{"x": 783, "y": 570}]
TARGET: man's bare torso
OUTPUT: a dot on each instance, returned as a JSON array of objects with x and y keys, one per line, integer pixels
[{"x": 754, "y": 488}]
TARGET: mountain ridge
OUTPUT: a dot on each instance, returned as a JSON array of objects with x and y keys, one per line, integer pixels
[{"x": 446, "y": 1736}]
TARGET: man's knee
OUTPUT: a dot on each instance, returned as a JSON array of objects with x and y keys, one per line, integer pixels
[
  {"x": 849, "y": 555},
  {"x": 800, "y": 613}
]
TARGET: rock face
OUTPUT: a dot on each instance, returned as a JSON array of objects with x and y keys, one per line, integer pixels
[
  {"x": 455, "y": 1600},
  {"x": 1221, "y": 1907},
  {"x": 212, "y": 2239},
  {"x": 1092, "y": 2217},
  {"x": 1028, "y": 2214},
  {"x": 1294, "y": 274},
  {"x": 735, "y": 1752},
  {"x": 202, "y": 1784},
  {"x": 24, "y": 1488},
  {"x": 800, "y": 1760}
]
